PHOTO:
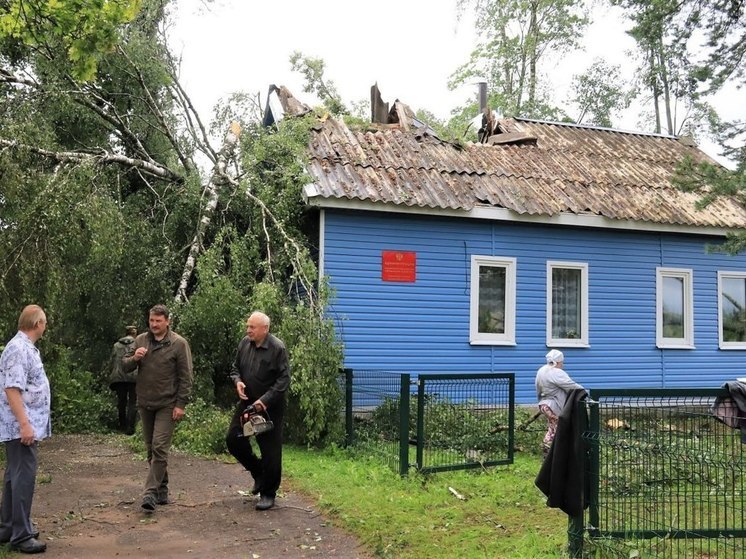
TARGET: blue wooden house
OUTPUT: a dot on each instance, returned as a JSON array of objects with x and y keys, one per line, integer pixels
[{"x": 482, "y": 257}]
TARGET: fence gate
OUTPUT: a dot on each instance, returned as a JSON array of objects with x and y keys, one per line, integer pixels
[
  {"x": 665, "y": 478},
  {"x": 432, "y": 422}
]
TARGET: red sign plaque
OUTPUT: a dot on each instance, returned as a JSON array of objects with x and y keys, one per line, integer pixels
[{"x": 398, "y": 266}]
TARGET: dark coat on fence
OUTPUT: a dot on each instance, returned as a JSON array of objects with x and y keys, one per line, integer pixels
[
  {"x": 731, "y": 410},
  {"x": 562, "y": 474}
]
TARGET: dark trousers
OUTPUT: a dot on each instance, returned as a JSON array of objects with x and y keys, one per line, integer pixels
[
  {"x": 157, "y": 430},
  {"x": 18, "y": 491},
  {"x": 126, "y": 406},
  {"x": 267, "y": 468}
]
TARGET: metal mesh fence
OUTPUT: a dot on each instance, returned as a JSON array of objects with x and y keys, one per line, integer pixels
[
  {"x": 372, "y": 412},
  {"x": 666, "y": 477},
  {"x": 431, "y": 422},
  {"x": 464, "y": 421}
]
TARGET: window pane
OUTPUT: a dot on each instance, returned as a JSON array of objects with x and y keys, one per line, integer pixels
[
  {"x": 566, "y": 303},
  {"x": 492, "y": 299},
  {"x": 673, "y": 307},
  {"x": 733, "y": 301}
]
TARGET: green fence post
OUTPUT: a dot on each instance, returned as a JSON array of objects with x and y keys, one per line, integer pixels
[
  {"x": 420, "y": 423},
  {"x": 348, "y": 407},
  {"x": 404, "y": 425},
  {"x": 594, "y": 463},
  {"x": 575, "y": 536}
]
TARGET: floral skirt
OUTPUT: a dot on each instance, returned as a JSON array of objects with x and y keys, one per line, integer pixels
[{"x": 552, "y": 421}]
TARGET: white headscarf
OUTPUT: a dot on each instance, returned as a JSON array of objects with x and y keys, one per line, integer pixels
[{"x": 555, "y": 356}]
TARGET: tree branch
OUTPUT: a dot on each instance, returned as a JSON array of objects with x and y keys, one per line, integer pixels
[
  {"x": 211, "y": 190},
  {"x": 148, "y": 167}
]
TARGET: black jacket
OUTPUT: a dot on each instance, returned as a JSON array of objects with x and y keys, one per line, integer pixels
[
  {"x": 731, "y": 410},
  {"x": 562, "y": 475}
]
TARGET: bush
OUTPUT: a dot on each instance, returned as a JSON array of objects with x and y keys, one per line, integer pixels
[
  {"x": 76, "y": 405},
  {"x": 202, "y": 432}
]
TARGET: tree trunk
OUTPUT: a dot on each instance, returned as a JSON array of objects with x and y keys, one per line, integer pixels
[
  {"x": 656, "y": 92},
  {"x": 663, "y": 72},
  {"x": 211, "y": 190},
  {"x": 532, "y": 40}
]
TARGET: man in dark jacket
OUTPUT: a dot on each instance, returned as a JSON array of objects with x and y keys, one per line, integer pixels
[
  {"x": 164, "y": 384},
  {"x": 123, "y": 383},
  {"x": 261, "y": 374}
]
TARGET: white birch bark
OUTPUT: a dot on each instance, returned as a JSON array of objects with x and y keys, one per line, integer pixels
[{"x": 211, "y": 191}]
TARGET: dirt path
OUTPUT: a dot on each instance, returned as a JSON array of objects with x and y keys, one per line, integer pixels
[{"x": 87, "y": 505}]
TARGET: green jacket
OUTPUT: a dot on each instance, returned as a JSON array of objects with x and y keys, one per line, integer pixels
[
  {"x": 122, "y": 348},
  {"x": 164, "y": 374}
]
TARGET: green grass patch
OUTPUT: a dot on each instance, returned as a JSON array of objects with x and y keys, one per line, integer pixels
[{"x": 502, "y": 514}]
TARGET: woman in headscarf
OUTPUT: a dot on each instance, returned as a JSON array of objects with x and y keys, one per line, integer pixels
[{"x": 553, "y": 385}]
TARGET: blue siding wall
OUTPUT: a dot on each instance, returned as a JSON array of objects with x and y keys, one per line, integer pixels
[{"x": 423, "y": 327}]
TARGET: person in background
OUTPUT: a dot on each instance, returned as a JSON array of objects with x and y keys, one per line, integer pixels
[
  {"x": 553, "y": 385},
  {"x": 164, "y": 385},
  {"x": 25, "y": 419},
  {"x": 261, "y": 373},
  {"x": 123, "y": 383}
]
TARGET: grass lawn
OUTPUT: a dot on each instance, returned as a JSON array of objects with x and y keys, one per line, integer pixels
[{"x": 502, "y": 515}]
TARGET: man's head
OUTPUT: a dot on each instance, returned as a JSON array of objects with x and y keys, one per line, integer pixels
[
  {"x": 257, "y": 327},
  {"x": 158, "y": 321},
  {"x": 556, "y": 358},
  {"x": 32, "y": 322}
]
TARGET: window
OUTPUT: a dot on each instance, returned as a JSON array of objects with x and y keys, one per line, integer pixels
[
  {"x": 567, "y": 304},
  {"x": 492, "y": 312},
  {"x": 732, "y": 309},
  {"x": 674, "y": 308}
]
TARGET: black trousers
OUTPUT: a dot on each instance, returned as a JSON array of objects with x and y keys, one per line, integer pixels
[
  {"x": 18, "y": 491},
  {"x": 266, "y": 469},
  {"x": 126, "y": 406}
]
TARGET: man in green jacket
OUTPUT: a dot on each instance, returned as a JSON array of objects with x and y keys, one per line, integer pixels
[
  {"x": 164, "y": 384},
  {"x": 124, "y": 383}
]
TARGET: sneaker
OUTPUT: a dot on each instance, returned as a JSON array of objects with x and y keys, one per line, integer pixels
[{"x": 148, "y": 503}]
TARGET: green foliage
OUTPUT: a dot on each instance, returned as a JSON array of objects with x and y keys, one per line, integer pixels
[
  {"x": 213, "y": 322},
  {"x": 312, "y": 70},
  {"x": 516, "y": 38},
  {"x": 76, "y": 406},
  {"x": 598, "y": 93},
  {"x": 83, "y": 29},
  {"x": 710, "y": 182},
  {"x": 202, "y": 431}
]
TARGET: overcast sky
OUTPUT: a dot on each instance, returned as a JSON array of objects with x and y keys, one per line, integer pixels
[{"x": 410, "y": 47}]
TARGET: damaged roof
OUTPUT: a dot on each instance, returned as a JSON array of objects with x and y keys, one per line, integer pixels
[{"x": 530, "y": 168}]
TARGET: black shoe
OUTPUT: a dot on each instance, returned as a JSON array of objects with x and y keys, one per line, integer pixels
[
  {"x": 31, "y": 545},
  {"x": 148, "y": 503},
  {"x": 265, "y": 503},
  {"x": 162, "y": 498}
]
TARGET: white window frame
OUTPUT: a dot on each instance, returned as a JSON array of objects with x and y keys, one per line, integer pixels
[
  {"x": 685, "y": 274},
  {"x": 483, "y": 338},
  {"x": 729, "y": 275},
  {"x": 568, "y": 342}
]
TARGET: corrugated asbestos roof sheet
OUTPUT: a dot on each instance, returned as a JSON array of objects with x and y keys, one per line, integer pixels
[{"x": 575, "y": 169}]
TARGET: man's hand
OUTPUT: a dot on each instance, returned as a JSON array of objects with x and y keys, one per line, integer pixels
[
  {"x": 240, "y": 388},
  {"x": 177, "y": 414},
  {"x": 259, "y": 405},
  {"x": 140, "y": 353},
  {"x": 27, "y": 434}
]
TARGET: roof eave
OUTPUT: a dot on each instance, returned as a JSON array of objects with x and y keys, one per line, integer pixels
[{"x": 492, "y": 213}]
